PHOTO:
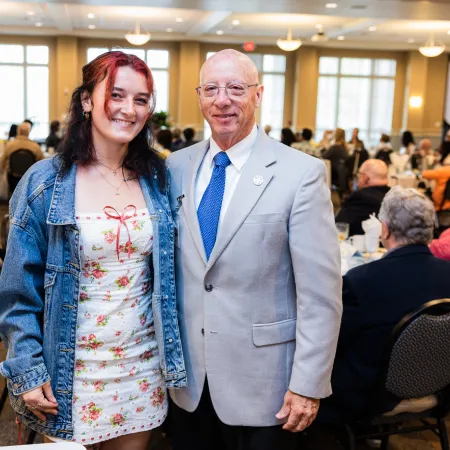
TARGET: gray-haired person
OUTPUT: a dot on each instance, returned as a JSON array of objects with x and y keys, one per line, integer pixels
[{"x": 376, "y": 296}]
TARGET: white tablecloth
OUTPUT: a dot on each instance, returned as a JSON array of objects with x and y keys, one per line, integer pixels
[
  {"x": 53, "y": 446},
  {"x": 403, "y": 180},
  {"x": 357, "y": 259}
]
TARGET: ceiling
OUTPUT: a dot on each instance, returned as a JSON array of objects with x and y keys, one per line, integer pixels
[{"x": 380, "y": 24}]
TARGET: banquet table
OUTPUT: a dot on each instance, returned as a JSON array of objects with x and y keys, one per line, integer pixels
[
  {"x": 405, "y": 180},
  {"x": 358, "y": 259}
]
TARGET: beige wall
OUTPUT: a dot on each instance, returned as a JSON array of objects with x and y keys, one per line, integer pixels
[
  {"x": 188, "y": 113},
  {"x": 67, "y": 77},
  {"x": 416, "y": 75}
]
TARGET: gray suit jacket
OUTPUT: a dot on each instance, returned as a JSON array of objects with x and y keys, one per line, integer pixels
[{"x": 262, "y": 315}]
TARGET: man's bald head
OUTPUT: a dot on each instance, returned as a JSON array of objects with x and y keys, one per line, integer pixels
[
  {"x": 24, "y": 129},
  {"x": 232, "y": 95},
  {"x": 425, "y": 144},
  {"x": 245, "y": 63},
  {"x": 373, "y": 172}
]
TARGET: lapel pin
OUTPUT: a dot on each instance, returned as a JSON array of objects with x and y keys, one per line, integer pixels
[{"x": 258, "y": 180}]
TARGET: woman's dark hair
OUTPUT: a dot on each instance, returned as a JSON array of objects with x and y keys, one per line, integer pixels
[
  {"x": 30, "y": 122},
  {"x": 445, "y": 150},
  {"x": 77, "y": 143},
  {"x": 287, "y": 136},
  {"x": 307, "y": 134},
  {"x": 385, "y": 138},
  {"x": 189, "y": 134},
  {"x": 54, "y": 127},
  {"x": 12, "y": 131},
  {"x": 407, "y": 138},
  {"x": 165, "y": 137}
]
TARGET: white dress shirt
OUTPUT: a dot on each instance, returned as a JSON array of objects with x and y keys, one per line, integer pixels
[{"x": 238, "y": 155}]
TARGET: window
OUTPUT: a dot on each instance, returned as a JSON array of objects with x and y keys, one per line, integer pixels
[
  {"x": 157, "y": 60},
  {"x": 24, "y": 70},
  {"x": 272, "y": 70},
  {"x": 273, "y": 80},
  {"x": 356, "y": 93}
]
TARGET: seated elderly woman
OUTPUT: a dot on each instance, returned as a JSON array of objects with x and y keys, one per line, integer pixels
[{"x": 376, "y": 296}]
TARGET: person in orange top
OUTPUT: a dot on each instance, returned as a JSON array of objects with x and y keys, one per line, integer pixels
[{"x": 441, "y": 175}]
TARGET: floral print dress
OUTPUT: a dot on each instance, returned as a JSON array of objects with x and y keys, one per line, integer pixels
[{"x": 118, "y": 387}]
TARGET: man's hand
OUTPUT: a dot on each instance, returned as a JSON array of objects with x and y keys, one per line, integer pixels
[
  {"x": 41, "y": 401},
  {"x": 301, "y": 411}
]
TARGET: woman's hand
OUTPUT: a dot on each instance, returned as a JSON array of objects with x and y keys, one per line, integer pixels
[{"x": 41, "y": 401}]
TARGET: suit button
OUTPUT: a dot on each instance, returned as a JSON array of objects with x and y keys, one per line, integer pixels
[
  {"x": 208, "y": 288},
  {"x": 203, "y": 331}
]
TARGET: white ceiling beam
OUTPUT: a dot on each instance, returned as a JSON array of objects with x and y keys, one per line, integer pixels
[
  {"x": 60, "y": 15},
  {"x": 353, "y": 26},
  {"x": 207, "y": 22}
]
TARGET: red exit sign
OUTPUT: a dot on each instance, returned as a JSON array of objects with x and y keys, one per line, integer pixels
[{"x": 249, "y": 46}]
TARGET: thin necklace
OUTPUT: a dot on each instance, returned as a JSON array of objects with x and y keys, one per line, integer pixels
[
  {"x": 124, "y": 180},
  {"x": 114, "y": 171}
]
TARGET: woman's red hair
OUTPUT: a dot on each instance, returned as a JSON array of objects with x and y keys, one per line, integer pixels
[
  {"x": 106, "y": 65},
  {"x": 77, "y": 145}
]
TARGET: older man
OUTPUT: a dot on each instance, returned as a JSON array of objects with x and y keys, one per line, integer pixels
[
  {"x": 258, "y": 274},
  {"x": 419, "y": 157},
  {"x": 21, "y": 142},
  {"x": 372, "y": 187},
  {"x": 378, "y": 295}
]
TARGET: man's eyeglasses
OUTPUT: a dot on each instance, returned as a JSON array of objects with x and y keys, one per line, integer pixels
[{"x": 233, "y": 90}]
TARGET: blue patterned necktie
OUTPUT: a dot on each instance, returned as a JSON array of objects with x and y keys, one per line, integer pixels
[{"x": 208, "y": 212}]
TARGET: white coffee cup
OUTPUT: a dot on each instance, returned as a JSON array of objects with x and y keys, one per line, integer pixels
[{"x": 358, "y": 241}]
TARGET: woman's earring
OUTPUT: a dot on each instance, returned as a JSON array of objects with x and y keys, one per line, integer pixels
[{"x": 86, "y": 115}]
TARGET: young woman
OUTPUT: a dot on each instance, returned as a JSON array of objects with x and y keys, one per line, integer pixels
[{"x": 88, "y": 300}]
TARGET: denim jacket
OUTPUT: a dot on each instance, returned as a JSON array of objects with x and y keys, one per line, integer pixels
[{"x": 39, "y": 289}]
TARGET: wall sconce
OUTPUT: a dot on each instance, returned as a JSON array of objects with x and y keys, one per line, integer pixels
[{"x": 415, "y": 102}]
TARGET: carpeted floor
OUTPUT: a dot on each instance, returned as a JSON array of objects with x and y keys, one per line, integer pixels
[{"x": 415, "y": 441}]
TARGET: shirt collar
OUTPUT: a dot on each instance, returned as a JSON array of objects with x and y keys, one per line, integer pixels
[{"x": 239, "y": 153}]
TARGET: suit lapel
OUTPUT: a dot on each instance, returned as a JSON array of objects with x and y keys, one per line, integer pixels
[
  {"x": 246, "y": 194},
  {"x": 189, "y": 208}
]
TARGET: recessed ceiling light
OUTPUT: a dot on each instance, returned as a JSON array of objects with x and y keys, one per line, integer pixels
[
  {"x": 179, "y": 19},
  {"x": 91, "y": 16},
  {"x": 373, "y": 29},
  {"x": 411, "y": 41},
  {"x": 219, "y": 32},
  {"x": 235, "y": 22},
  {"x": 91, "y": 27},
  {"x": 448, "y": 32},
  {"x": 331, "y": 5},
  {"x": 169, "y": 30},
  {"x": 341, "y": 38},
  {"x": 30, "y": 13},
  {"x": 319, "y": 25},
  {"x": 39, "y": 24}
]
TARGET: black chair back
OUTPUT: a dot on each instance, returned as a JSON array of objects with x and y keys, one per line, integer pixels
[
  {"x": 20, "y": 161},
  {"x": 4, "y": 231},
  {"x": 419, "y": 360}
]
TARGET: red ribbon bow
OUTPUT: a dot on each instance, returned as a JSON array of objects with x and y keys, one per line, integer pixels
[{"x": 122, "y": 221}]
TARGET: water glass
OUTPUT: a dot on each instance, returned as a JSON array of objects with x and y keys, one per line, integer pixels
[{"x": 342, "y": 230}]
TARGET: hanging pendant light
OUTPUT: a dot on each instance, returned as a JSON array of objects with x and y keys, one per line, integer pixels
[
  {"x": 431, "y": 48},
  {"x": 136, "y": 37},
  {"x": 289, "y": 44}
]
